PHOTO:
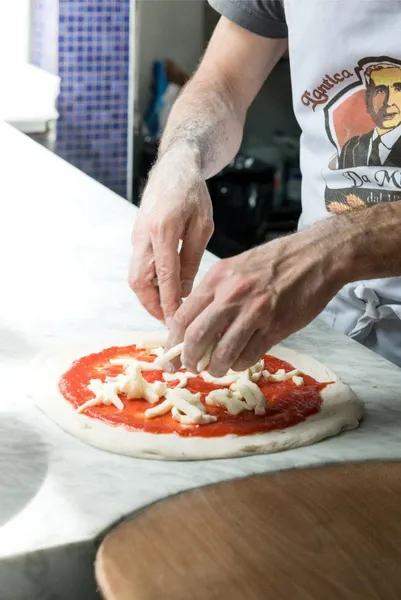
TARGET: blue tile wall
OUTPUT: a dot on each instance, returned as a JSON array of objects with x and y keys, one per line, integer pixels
[{"x": 93, "y": 61}]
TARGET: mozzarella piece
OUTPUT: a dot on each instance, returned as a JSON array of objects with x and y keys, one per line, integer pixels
[
  {"x": 278, "y": 375},
  {"x": 132, "y": 362},
  {"x": 228, "y": 379},
  {"x": 204, "y": 418},
  {"x": 205, "y": 360},
  {"x": 135, "y": 386},
  {"x": 182, "y": 378},
  {"x": 188, "y": 403},
  {"x": 298, "y": 380},
  {"x": 131, "y": 383},
  {"x": 281, "y": 375},
  {"x": 159, "y": 410},
  {"x": 88, "y": 404},
  {"x": 105, "y": 393},
  {"x": 180, "y": 417},
  {"x": 232, "y": 401},
  {"x": 188, "y": 407},
  {"x": 159, "y": 387},
  {"x": 177, "y": 351},
  {"x": 159, "y": 351},
  {"x": 255, "y": 372},
  {"x": 253, "y": 395},
  {"x": 169, "y": 355}
]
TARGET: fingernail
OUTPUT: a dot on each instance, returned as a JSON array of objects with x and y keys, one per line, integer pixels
[
  {"x": 168, "y": 321},
  {"x": 170, "y": 368}
]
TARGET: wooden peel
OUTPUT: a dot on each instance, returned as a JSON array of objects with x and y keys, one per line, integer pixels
[{"x": 330, "y": 533}]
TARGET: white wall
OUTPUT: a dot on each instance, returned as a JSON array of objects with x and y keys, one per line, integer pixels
[
  {"x": 50, "y": 28},
  {"x": 167, "y": 29},
  {"x": 14, "y": 31}
]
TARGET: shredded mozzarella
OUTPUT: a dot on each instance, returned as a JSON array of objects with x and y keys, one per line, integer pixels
[
  {"x": 226, "y": 380},
  {"x": 105, "y": 393},
  {"x": 281, "y": 375},
  {"x": 228, "y": 399},
  {"x": 159, "y": 351},
  {"x": 169, "y": 355},
  {"x": 204, "y": 418},
  {"x": 177, "y": 351},
  {"x": 205, "y": 360},
  {"x": 132, "y": 362},
  {"x": 131, "y": 383},
  {"x": 182, "y": 378},
  {"x": 188, "y": 407},
  {"x": 135, "y": 386},
  {"x": 255, "y": 372},
  {"x": 252, "y": 394},
  {"x": 159, "y": 410}
]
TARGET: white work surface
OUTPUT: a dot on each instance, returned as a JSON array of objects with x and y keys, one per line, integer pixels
[{"x": 64, "y": 247}]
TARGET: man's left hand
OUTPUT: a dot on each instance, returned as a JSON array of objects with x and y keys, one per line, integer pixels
[{"x": 248, "y": 303}]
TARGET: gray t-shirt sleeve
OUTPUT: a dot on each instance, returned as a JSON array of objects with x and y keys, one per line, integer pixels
[{"x": 263, "y": 17}]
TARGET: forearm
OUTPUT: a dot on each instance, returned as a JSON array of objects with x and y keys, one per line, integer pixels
[
  {"x": 367, "y": 243},
  {"x": 205, "y": 124}
]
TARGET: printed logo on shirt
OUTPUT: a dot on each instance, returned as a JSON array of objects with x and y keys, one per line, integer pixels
[
  {"x": 363, "y": 122},
  {"x": 320, "y": 94}
]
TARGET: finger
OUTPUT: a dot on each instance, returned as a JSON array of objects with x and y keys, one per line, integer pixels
[
  {"x": 167, "y": 264},
  {"x": 256, "y": 347},
  {"x": 187, "y": 313},
  {"x": 194, "y": 243},
  {"x": 204, "y": 332},
  {"x": 140, "y": 276},
  {"x": 231, "y": 345}
]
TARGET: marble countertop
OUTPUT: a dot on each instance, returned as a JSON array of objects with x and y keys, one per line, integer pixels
[{"x": 64, "y": 249}]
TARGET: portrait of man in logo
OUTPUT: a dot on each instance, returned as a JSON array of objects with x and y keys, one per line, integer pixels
[
  {"x": 382, "y": 145},
  {"x": 364, "y": 124}
]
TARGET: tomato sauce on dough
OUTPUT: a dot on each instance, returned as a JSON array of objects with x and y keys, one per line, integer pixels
[{"x": 287, "y": 404}]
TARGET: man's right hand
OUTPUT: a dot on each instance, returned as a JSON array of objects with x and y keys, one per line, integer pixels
[{"x": 176, "y": 206}]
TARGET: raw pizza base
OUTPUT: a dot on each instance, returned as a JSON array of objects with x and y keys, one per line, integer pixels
[{"x": 340, "y": 410}]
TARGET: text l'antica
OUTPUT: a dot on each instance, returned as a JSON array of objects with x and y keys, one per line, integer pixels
[{"x": 319, "y": 95}]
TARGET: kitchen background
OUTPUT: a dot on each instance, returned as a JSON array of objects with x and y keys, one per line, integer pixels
[{"x": 93, "y": 80}]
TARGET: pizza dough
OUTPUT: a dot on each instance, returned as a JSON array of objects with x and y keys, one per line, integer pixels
[{"x": 340, "y": 409}]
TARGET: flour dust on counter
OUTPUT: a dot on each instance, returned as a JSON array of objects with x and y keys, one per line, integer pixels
[{"x": 113, "y": 392}]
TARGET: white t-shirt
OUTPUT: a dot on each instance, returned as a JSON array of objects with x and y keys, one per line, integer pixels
[{"x": 345, "y": 59}]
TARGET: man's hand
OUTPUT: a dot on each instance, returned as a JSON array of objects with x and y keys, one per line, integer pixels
[
  {"x": 176, "y": 206},
  {"x": 247, "y": 304}
]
